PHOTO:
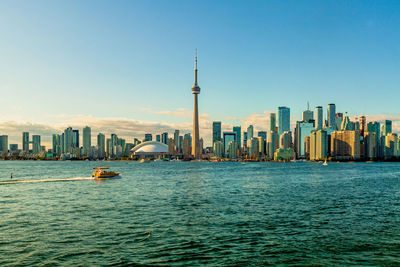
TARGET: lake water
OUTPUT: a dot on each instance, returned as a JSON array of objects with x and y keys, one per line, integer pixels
[{"x": 194, "y": 213}]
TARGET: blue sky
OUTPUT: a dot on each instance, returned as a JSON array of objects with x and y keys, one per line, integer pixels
[{"x": 65, "y": 60}]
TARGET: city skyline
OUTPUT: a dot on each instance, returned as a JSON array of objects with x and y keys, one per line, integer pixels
[{"x": 57, "y": 71}]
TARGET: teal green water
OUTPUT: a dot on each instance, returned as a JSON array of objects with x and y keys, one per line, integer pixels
[{"x": 194, "y": 213}]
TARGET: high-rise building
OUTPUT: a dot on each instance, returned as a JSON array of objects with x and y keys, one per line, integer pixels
[
  {"x": 180, "y": 143},
  {"x": 374, "y": 127},
  {"x": 158, "y": 138},
  {"x": 338, "y": 120},
  {"x": 318, "y": 145},
  {"x": 164, "y": 138},
  {"x": 272, "y": 143},
  {"x": 228, "y": 137},
  {"x": 244, "y": 139},
  {"x": 68, "y": 140},
  {"x": 272, "y": 122},
  {"x": 370, "y": 145},
  {"x": 171, "y": 146},
  {"x": 283, "y": 119},
  {"x": 285, "y": 140},
  {"x": 196, "y": 152},
  {"x": 261, "y": 144},
  {"x": 36, "y": 147},
  {"x": 319, "y": 120},
  {"x": 386, "y": 127},
  {"x": 176, "y": 140},
  {"x": 250, "y": 132},
  {"x": 57, "y": 144},
  {"x": 75, "y": 138},
  {"x": 218, "y": 149},
  {"x": 331, "y": 116},
  {"x": 87, "y": 141},
  {"x": 308, "y": 115},
  {"x": 3, "y": 144},
  {"x": 233, "y": 148},
  {"x": 13, "y": 147},
  {"x": 238, "y": 131},
  {"x": 25, "y": 141},
  {"x": 345, "y": 145},
  {"x": 216, "y": 131},
  {"x": 253, "y": 147},
  {"x": 390, "y": 145},
  {"x": 101, "y": 145},
  {"x": 148, "y": 137},
  {"x": 303, "y": 129}
]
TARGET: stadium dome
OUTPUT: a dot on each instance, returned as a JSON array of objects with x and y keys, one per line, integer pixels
[{"x": 150, "y": 147}]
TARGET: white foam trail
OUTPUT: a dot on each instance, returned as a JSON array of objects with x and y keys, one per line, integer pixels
[{"x": 46, "y": 180}]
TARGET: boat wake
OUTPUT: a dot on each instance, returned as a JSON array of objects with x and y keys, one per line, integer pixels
[{"x": 47, "y": 180}]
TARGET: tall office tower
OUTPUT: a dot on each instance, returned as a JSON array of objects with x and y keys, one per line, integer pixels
[
  {"x": 101, "y": 144},
  {"x": 25, "y": 141},
  {"x": 164, "y": 138},
  {"x": 390, "y": 145},
  {"x": 238, "y": 131},
  {"x": 87, "y": 140},
  {"x": 363, "y": 126},
  {"x": 218, "y": 149},
  {"x": 216, "y": 131},
  {"x": 374, "y": 127},
  {"x": 250, "y": 132},
  {"x": 283, "y": 119},
  {"x": 319, "y": 120},
  {"x": 345, "y": 145},
  {"x": 346, "y": 124},
  {"x": 386, "y": 127},
  {"x": 308, "y": 115},
  {"x": 272, "y": 122},
  {"x": 171, "y": 146},
  {"x": 233, "y": 149},
  {"x": 303, "y": 130},
  {"x": 244, "y": 139},
  {"x": 75, "y": 138},
  {"x": 56, "y": 144},
  {"x": 3, "y": 144},
  {"x": 176, "y": 140},
  {"x": 180, "y": 142},
  {"x": 187, "y": 141},
  {"x": 272, "y": 143},
  {"x": 253, "y": 146},
  {"x": 338, "y": 120},
  {"x": 262, "y": 134},
  {"x": 371, "y": 145},
  {"x": 331, "y": 116},
  {"x": 67, "y": 140},
  {"x": 148, "y": 137},
  {"x": 285, "y": 141},
  {"x": 196, "y": 152},
  {"x": 62, "y": 143},
  {"x": 318, "y": 145},
  {"x": 36, "y": 147},
  {"x": 262, "y": 145},
  {"x": 108, "y": 147},
  {"x": 228, "y": 137},
  {"x": 158, "y": 138}
]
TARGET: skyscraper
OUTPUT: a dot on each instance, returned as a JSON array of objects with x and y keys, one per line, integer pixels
[
  {"x": 250, "y": 132},
  {"x": 164, "y": 138},
  {"x": 36, "y": 148},
  {"x": 101, "y": 144},
  {"x": 228, "y": 137},
  {"x": 176, "y": 140},
  {"x": 67, "y": 140},
  {"x": 331, "y": 116},
  {"x": 195, "y": 91},
  {"x": 386, "y": 127},
  {"x": 308, "y": 115},
  {"x": 75, "y": 138},
  {"x": 25, "y": 141},
  {"x": 87, "y": 141},
  {"x": 283, "y": 119},
  {"x": 216, "y": 131},
  {"x": 318, "y": 118},
  {"x": 148, "y": 137},
  {"x": 3, "y": 144},
  {"x": 272, "y": 122},
  {"x": 238, "y": 131}
]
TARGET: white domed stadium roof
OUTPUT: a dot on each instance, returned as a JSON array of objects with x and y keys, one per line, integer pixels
[{"x": 150, "y": 147}]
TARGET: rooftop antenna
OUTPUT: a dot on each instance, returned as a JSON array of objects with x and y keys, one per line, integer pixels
[{"x": 308, "y": 105}]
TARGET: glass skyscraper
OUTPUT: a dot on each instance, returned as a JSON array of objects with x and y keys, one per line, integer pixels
[
  {"x": 283, "y": 119},
  {"x": 216, "y": 131},
  {"x": 238, "y": 131}
]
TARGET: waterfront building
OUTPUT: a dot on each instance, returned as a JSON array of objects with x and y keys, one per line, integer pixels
[
  {"x": 180, "y": 143},
  {"x": 390, "y": 145},
  {"x": 158, "y": 138},
  {"x": 285, "y": 140},
  {"x": 319, "y": 118},
  {"x": 228, "y": 137},
  {"x": 318, "y": 145},
  {"x": 374, "y": 127},
  {"x": 176, "y": 140},
  {"x": 196, "y": 152},
  {"x": 148, "y": 137},
  {"x": 25, "y": 141},
  {"x": 272, "y": 143},
  {"x": 108, "y": 148},
  {"x": 261, "y": 145},
  {"x": 339, "y": 120},
  {"x": 262, "y": 134},
  {"x": 244, "y": 139},
  {"x": 233, "y": 150},
  {"x": 308, "y": 115},
  {"x": 283, "y": 119},
  {"x": 307, "y": 149},
  {"x": 87, "y": 141},
  {"x": 363, "y": 121},
  {"x": 3, "y": 144},
  {"x": 303, "y": 130},
  {"x": 171, "y": 146},
  {"x": 218, "y": 149},
  {"x": 149, "y": 149},
  {"x": 216, "y": 128},
  {"x": 346, "y": 124},
  {"x": 13, "y": 147},
  {"x": 36, "y": 147},
  {"x": 67, "y": 140},
  {"x": 187, "y": 141},
  {"x": 284, "y": 154},
  {"x": 345, "y": 145},
  {"x": 238, "y": 131},
  {"x": 370, "y": 145},
  {"x": 57, "y": 144},
  {"x": 272, "y": 122},
  {"x": 101, "y": 145},
  {"x": 331, "y": 116},
  {"x": 253, "y": 147}
]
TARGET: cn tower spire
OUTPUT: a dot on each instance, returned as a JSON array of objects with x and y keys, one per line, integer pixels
[{"x": 196, "y": 149}]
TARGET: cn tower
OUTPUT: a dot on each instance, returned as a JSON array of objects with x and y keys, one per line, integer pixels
[{"x": 195, "y": 141}]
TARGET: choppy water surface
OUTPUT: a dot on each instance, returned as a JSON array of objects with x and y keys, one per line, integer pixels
[{"x": 182, "y": 213}]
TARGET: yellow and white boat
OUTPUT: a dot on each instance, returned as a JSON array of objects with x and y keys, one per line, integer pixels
[{"x": 101, "y": 172}]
